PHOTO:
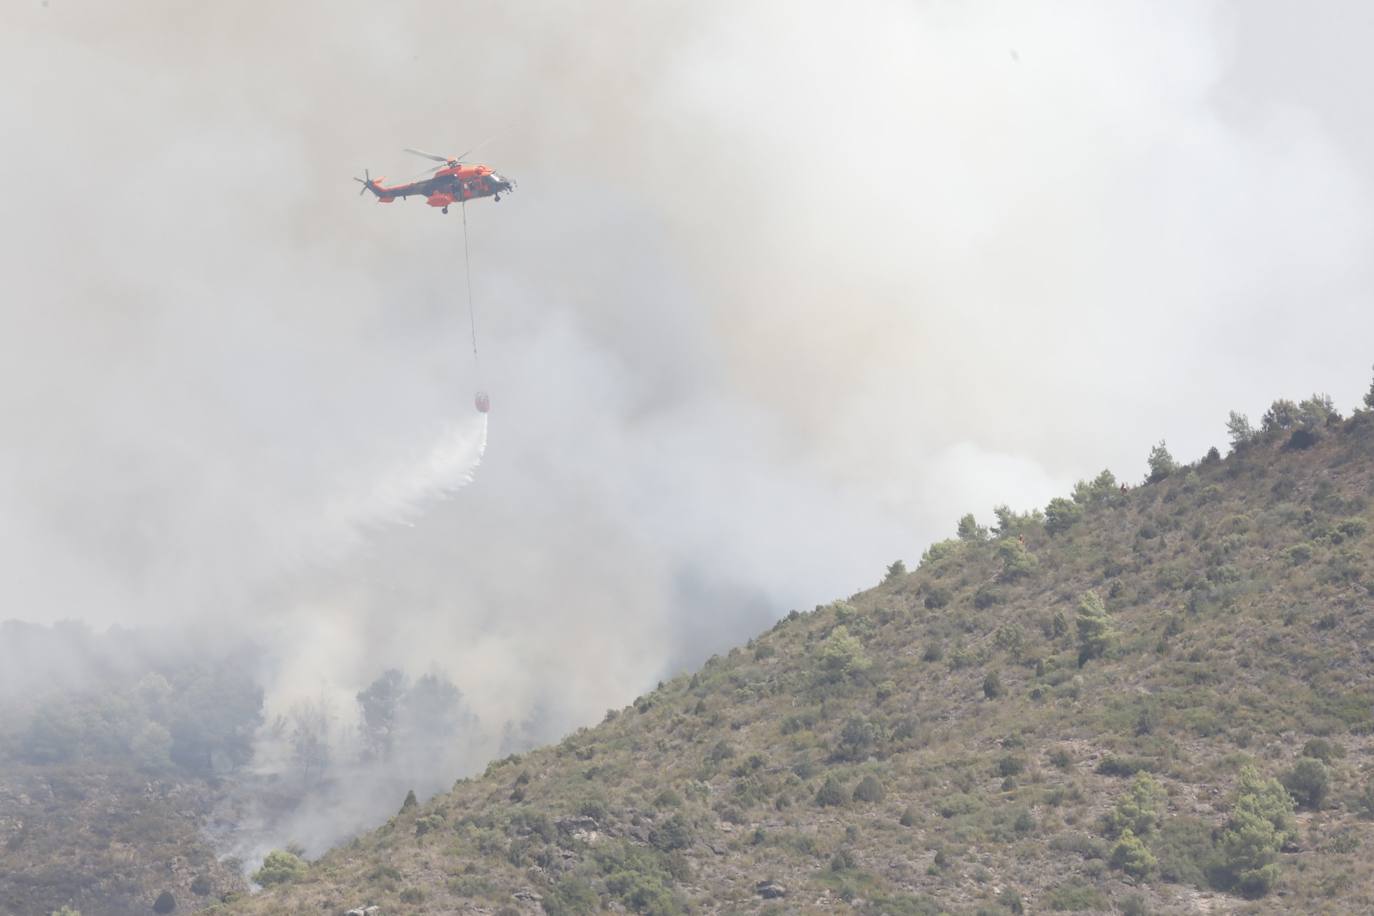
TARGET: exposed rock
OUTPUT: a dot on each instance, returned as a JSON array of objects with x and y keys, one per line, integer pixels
[
  {"x": 581, "y": 828},
  {"x": 527, "y": 895},
  {"x": 573, "y": 824},
  {"x": 770, "y": 890}
]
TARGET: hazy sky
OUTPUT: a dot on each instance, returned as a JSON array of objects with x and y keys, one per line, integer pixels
[{"x": 785, "y": 289}]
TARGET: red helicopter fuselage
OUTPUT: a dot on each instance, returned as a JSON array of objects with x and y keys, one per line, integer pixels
[{"x": 454, "y": 183}]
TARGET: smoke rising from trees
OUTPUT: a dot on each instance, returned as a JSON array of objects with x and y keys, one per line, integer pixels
[{"x": 782, "y": 295}]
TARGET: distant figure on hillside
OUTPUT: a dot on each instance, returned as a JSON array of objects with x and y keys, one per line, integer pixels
[{"x": 1123, "y": 488}]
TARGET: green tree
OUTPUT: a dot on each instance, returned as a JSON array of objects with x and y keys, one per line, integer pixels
[
  {"x": 1095, "y": 633},
  {"x": 1061, "y": 514},
  {"x": 1161, "y": 463},
  {"x": 1317, "y": 413},
  {"x": 1261, "y": 822},
  {"x": 992, "y": 686},
  {"x": 1138, "y": 811},
  {"x": 1369, "y": 397},
  {"x": 380, "y": 704},
  {"x": 1240, "y": 431},
  {"x": 1011, "y": 523},
  {"x": 842, "y": 655},
  {"x": 1281, "y": 416},
  {"x": 895, "y": 571},
  {"x": 1130, "y": 855},
  {"x": 1099, "y": 489},
  {"x": 970, "y": 530},
  {"x": 1017, "y": 561},
  {"x": 280, "y": 867}
]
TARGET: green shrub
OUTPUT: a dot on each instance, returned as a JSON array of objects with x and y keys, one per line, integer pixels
[
  {"x": 1183, "y": 847},
  {"x": 1080, "y": 843},
  {"x": 1076, "y": 897},
  {"x": 672, "y": 833},
  {"x": 1298, "y": 554},
  {"x": 571, "y": 896},
  {"x": 831, "y": 794},
  {"x": 868, "y": 790},
  {"x": 842, "y": 655},
  {"x": 938, "y": 551},
  {"x": 1307, "y": 782},
  {"x": 1111, "y": 765},
  {"x": 1017, "y": 561},
  {"x": 987, "y": 596},
  {"x": 895, "y": 571},
  {"x": 594, "y": 808},
  {"x": 280, "y": 867},
  {"x": 937, "y": 597},
  {"x": 1364, "y": 802},
  {"x": 1010, "y": 765},
  {"x": 857, "y": 739},
  {"x": 719, "y": 753},
  {"x": 1134, "y": 905},
  {"x": 992, "y": 686}
]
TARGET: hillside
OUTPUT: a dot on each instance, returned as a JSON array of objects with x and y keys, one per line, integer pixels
[
  {"x": 1087, "y": 709},
  {"x": 107, "y": 841}
]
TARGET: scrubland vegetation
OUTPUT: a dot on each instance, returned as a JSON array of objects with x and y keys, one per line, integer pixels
[{"x": 1145, "y": 699}]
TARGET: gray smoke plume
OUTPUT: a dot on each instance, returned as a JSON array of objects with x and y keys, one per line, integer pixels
[{"x": 784, "y": 291}]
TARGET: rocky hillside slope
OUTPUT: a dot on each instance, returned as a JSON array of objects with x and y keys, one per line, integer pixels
[{"x": 1157, "y": 699}]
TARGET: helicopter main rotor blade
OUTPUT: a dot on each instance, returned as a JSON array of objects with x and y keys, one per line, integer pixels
[
  {"x": 464, "y": 154},
  {"x": 429, "y": 171},
  {"x": 420, "y": 152}
]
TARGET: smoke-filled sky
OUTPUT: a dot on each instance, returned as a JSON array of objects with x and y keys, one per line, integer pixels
[{"x": 785, "y": 289}]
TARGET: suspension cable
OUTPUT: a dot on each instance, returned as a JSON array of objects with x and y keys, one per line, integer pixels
[{"x": 472, "y": 315}]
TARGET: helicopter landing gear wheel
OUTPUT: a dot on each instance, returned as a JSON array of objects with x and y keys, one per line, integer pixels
[
  {"x": 496, "y": 199},
  {"x": 444, "y": 211}
]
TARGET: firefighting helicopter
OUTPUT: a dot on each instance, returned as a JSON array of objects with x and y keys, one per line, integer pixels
[{"x": 453, "y": 181}]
